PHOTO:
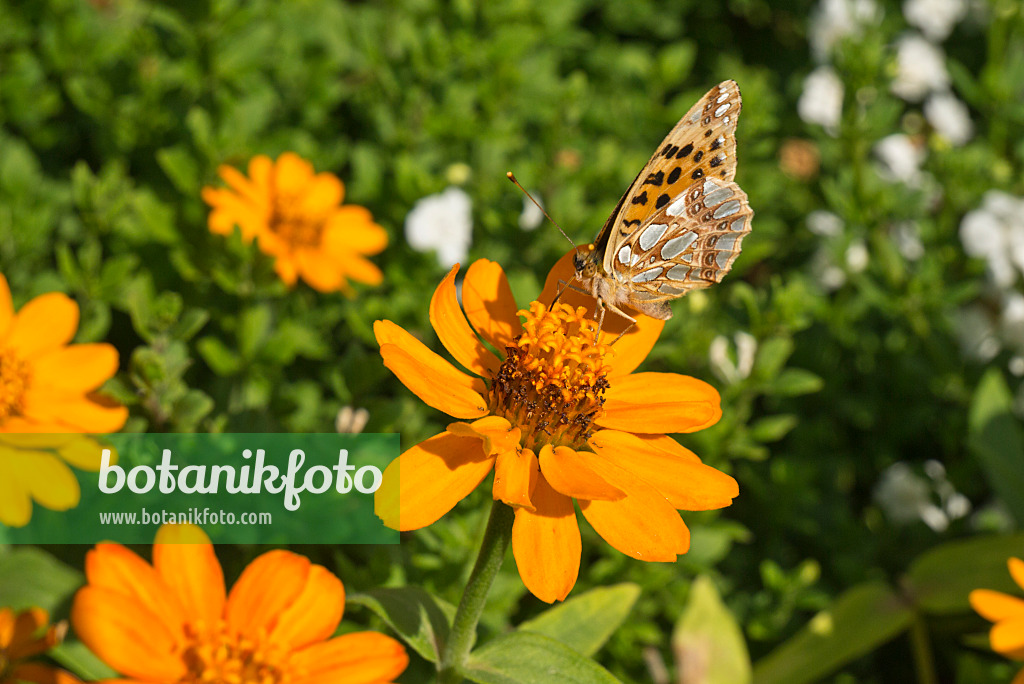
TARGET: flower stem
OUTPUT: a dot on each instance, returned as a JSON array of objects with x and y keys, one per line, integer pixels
[
  {"x": 488, "y": 561},
  {"x": 924, "y": 662}
]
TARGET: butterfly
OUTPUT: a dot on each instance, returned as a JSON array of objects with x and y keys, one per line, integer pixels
[{"x": 680, "y": 224}]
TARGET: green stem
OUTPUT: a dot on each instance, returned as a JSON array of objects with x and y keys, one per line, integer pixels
[
  {"x": 488, "y": 561},
  {"x": 924, "y": 662}
]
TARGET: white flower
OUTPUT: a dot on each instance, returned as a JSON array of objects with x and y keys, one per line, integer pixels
[
  {"x": 920, "y": 68},
  {"x": 442, "y": 222},
  {"x": 825, "y": 271},
  {"x": 722, "y": 364},
  {"x": 824, "y": 223},
  {"x": 935, "y": 18},
  {"x": 901, "y": 158},
  {"x": 976, "y": 334},
  {"x": 834, "y": 20},
  {"x": 902, "y": 494},
  {"x": 857, "y": 257},
  {"x": 949, "y": 117},
  {"x": 822, "y": 99},
  {"x": 531, "y": 216},
  {"x": 1012, "y": 320},
  {"x": 995, "y": 232},
  {"x": 351, "y": 420},
  {"x": 908, "y": 240}
]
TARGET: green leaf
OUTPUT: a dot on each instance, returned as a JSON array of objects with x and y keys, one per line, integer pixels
[
  {"x": 74, "y": 656},
  {"x": 707, "y": 634},
  {"x": 771, "y": 356},
  {"x": 419, "y": 618},
  {"x": 995, "y": 436},
  {"x": 527, "y": 658},
  {"x": 773, "y": 428},
  {"x": 180, "y": 166},
  {"x": 940, "y": 580},
  {"x": 793, "y": 382},
  {"x": 861, "y": 619},
  {"x": 218, "y": 356},
  {"x": 585, "y": 622},
  {"x": 30, "y": 577}
]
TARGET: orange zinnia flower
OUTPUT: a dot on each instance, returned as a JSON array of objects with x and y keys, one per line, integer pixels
[
  {"x": 24, "y": 635},
  {"x": 297, "y": 218},
  {"x": 46, "y": 396},
  {"x": 559, "y": 417},
  {"x": 1007, "y": 612},
  {"x": 172, "y": 622}
]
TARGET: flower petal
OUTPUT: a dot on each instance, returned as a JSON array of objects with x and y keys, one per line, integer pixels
[
  {"x": 489, "y": 304},
  {"x": 126, "y": 636},
  {"x": 78, "y": 368},
  {"x": 85, "y": 453},
  {"x": 265, "y": 590},
  {"x": 350, "y": 228},
  {"x": 1007, "y": 636},
  {"x": 546, "y": 544},
  {"x": 357, "y": 658},
  {"x": 995, "y": 605},
  {"x": 321, "y": 195},
  {"x": 184, "y": 557},
  {"x": 497, "y": 434},
  {"x": 515, "y": 478},
  {"x": 428, "y": 480},
  {"x": 93, "y": 413},
  {"x": 37, "y": 673},
  {"x": 687, "y": 485},
  {"x": 660, "y": 402},
  {"x": 315, "y": 614},
  {"x": 643, "y": 525},
  {"x": 319, "y": 270},
  {"x": 46, "y": 323},
  {"x": 24, "y": 640},
  {"x": 568, "y": 472},
  {"x": 245, "y": 188},
  {"x": 1016, "y": 566},
  {"x": 454, "y": 332},
  {"x": 631, "y": 348},
  {"x": 669, "y": 445},
  {"x": 46, "y": 478},
  {"x": 438, "y": 383},
  {"x": 290, "y": 176},
  {"x": 15, "y": 502},
  {"x": 114, "y": 568},
  {"x": 6, "y": 307}
]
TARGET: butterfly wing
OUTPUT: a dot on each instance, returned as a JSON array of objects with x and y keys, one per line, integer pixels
[{"x": 683, "y": 211}]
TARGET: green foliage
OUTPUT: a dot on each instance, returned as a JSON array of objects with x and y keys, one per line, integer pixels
[{"x": 115, "y": 114}]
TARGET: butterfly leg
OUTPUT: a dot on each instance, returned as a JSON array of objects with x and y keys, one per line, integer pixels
[
  {"x": 615, "y": 309},
  {"x": 563, "y": 286}
]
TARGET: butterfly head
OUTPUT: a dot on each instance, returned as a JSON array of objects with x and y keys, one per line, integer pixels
[{"x": 585, "y": 265}]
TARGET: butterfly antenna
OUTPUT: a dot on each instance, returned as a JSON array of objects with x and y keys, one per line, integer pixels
[{"x": 512, "y": 177}]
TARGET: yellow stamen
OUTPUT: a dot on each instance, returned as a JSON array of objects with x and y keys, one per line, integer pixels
[
  {"x": 553, "y": 380},
  {"x": 14, "y": 381},
  {"x": 219, "y": 655}
]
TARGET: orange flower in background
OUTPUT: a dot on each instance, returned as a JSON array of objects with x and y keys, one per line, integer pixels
[
  {"x": 47, "y": 396},
  {"x": 173, "y": 622},
  {"x": 24, "y": 635},
  {"x": 297, "y": 217},
  {"x": 1007, "y": 612},
  {"x": 560, "y": 416}
]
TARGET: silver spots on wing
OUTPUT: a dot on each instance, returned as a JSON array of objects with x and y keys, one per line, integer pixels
[
  {"x": 678, "y": 272},
  {"x": 648, "y": 275},
  {"x": 624, "y": 254},
  {"x": 738, "y": 224},
  {"x": 722, "y": 109},
  {"x": 727, "y": 209},
  {"x": 669, "y": 290},
  {"x": 677, "y": 245},
  {"x": 727, "y": 241},
  {"x": 715, "y": 194},
  {"x": 651, "y": 235},
  {"x": 677, "y": 207}
]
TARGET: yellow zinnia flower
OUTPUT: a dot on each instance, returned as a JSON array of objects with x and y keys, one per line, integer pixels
[
  {"x": 46, "y": 396},
  {"x": 560, "y": 416},
  {"x": 173, "y": 622},
  {"x": 24, "y": 635},
  {"x": 297, "y": 217},
  {"x": 1007, "y": 612}
]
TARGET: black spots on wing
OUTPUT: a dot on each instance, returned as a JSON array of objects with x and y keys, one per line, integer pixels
[
  {"x": 707, "y": 133},
  {"x": 662, "y": 200},
  {"x": 670, "y": 151},
  {"x": 631, "y": 222},
  {"x": 722, "y": 174},
  {"x": 656, "y": 179},
  {"x": 706, "y": 122},
  {"x": 716, "y": 144},
  {"x": 697, "y": 174},
  {"x": 722, "y": 226},
  {"x": 697, "y": 157},
  {"x": 717, "y": 161},
  {"x": 641, "y": 198},
  {"x": 685, "y": 151},
  {"x": 674, "y": 176},
  {"x": 664, "y": 152}
]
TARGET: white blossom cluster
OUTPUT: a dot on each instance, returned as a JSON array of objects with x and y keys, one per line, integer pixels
[
  {"x": 442, "y": 223},
  {"x": 907, "y": 497}
]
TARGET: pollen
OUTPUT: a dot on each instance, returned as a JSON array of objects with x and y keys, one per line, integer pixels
[
  {"x": 293, "y": 225},
  {"x": 218, "y": 655},
  {"x": 14, "y": 382},
  {"x": 552, "y": 382}
]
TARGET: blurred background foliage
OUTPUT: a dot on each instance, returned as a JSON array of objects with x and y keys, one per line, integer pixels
[{"x": 845, "y": 341}]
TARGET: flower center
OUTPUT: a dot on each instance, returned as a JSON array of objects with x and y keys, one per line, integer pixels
[
  {"x": 294, "y": 226},
  {"x": 222, "y": 656},
  {"x": 553, "y": 380},
  {"x": 14, "y": 380}
]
